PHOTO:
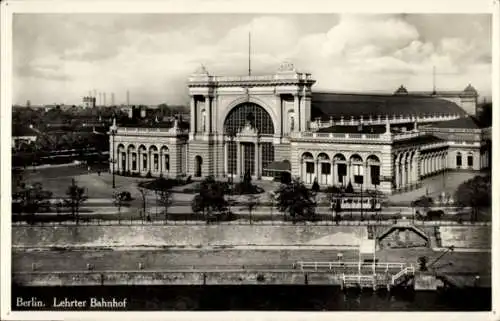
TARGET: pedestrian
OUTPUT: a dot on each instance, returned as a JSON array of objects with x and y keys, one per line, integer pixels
[{"x": 98, "y": 173}]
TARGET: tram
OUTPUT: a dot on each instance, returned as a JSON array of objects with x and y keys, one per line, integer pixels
[{"x": 355, "y": 202}]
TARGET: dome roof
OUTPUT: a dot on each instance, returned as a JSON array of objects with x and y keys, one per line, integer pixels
[
  {"x": 401, "y": 91},
  {"x": 469, "y": 90}
]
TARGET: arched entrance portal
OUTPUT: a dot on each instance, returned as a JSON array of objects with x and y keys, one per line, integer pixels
[
  {"x": 254, "y": 151},
  {"x": 198, "y": 163}
]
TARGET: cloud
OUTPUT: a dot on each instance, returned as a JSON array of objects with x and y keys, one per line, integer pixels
[{"x": 152, "y": 55}]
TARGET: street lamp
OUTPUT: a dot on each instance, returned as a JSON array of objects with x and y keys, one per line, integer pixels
[{"x": 112, "y": 132}]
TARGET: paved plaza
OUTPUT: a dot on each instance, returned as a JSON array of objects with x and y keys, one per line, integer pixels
[{"x": 58, "y": 179}]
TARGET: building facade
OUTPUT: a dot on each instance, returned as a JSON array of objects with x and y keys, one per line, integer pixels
[{"x": 259, "y": 124}]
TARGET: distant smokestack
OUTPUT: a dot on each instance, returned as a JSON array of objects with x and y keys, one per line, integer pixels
[
  {"x": 112, "y": 99},
  {"x": 128, "y": 98}
]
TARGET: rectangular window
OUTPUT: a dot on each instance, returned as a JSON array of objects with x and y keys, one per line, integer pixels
[
  {"x": 167, "y": 162},
  {"x": 325, "y": 168},
  {"x": 459, "y": 160},
  {"x": 144, "y": 162},
  {"x": 310, "y": 168},
  {"x": 470, "y": 161}
]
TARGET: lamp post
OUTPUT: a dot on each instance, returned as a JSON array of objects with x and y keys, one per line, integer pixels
[{"x": 112, "y": 132}]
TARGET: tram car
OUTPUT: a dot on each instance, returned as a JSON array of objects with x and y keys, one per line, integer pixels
[{"x": 355, "y": 202}]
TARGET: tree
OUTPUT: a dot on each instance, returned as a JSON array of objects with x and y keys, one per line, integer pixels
[
  {"x": 349, "y": 188},
  {"x": 76, "y": 197},
  {"x": 143, "y": 192},
  {"x": 119, "y": 200},
  {"x": 165, "y": 200},
  {"x": 315, "y": 186},
  {"x": 251, "y": 204},
  {"x": 296, "y": 200},
  {"x": 422, "y": 263},
  {"x": 424, "y": 203},
  {"x": 210, "y": 200},
  {"x": 32, "y": 199},
  {"x": 474, "y": 193}
]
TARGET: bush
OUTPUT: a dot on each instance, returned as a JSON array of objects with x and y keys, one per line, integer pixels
[{"x": 435, "y": 215}]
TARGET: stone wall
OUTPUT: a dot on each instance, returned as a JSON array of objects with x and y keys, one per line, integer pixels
[
  {"x": 185, "y": 235},
  {"x": 466, "y": 236}
]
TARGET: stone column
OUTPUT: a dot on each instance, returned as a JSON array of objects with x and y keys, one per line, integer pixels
[
  {"x": 334, "y": 173},
  {"x": 259, "y": 173},
  {"x": 208, "y": 108},
  {"x": 238, "y": 159},
  {"x": 301, "y": 169},
  {"x": 397, "y": 174},
  {"x": 192, "y": 121},
  {"x": 316, "y": 170},
  {"x": 279, "y": 104},
  {"x": 367, "y": 178},
  {"x": 403, "y": 174},
  {"x": 256, "y": 159},
  {"x": 296, "y": 101},
  {"x": 226, "y": 158},
  {"x": 349, "y": 172}
]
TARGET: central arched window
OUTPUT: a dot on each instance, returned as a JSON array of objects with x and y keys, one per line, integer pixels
[
  {"x": 257, "y": 117},
  {"x": 248, "y": 113}
]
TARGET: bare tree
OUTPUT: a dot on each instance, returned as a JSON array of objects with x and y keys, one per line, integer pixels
[
  {"x": 143, "y": 192},
  {"x": 76, "y": 197},
  {"x": 165, "y": 200},
  {"x": 251, "y": 204}
]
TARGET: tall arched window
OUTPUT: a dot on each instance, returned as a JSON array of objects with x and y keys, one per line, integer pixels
[
  {"x": 257, "y": 117},
  {"x": 249, "y": 113}
]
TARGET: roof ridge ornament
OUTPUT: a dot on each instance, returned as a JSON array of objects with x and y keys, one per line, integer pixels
[
  {"x": 286, "y": 66},
  {"x": 201, "y": 70}
]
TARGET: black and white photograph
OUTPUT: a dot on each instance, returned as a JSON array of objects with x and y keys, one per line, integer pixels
[{"x": 322, "y": 161}]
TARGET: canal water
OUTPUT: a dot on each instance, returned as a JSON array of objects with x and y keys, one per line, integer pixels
[{"x": 266, "y": 297}]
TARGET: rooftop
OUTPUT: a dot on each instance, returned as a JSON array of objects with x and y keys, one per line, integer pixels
[
  {"x": 463, "y": 122},
  {"x": 327, "y": 105},
  {"x": 18, "y": 131}
]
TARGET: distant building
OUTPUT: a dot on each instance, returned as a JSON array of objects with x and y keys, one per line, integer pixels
[
  {"x": 266, "y": 124},
  {"x": 89, "y": 102},
  {"x": 23, "y": 135}
]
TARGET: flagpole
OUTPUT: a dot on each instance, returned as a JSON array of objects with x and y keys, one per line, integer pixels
[{"x": 249, "y": 54}]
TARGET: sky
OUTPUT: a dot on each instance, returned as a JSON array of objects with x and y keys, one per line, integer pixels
[{"x": 59, "y": 58}]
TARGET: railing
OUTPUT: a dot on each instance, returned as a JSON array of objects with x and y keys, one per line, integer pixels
[
  {"x": 407, "y": 270},
  {"x": 381, "y": 119},
  {"x": 340, "y": 136},
  {"x": 264, "y": 78},
  {"x": 339, "y": 264},
  {"x": 150, "y": 131}
]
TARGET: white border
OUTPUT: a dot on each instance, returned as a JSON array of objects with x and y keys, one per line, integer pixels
[{"x": 238, "y": 6}]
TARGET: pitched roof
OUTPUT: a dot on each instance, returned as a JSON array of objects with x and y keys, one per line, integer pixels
[
  {"x": 18, "y": 131},
  {"x": 463, "y": 122},
  {"x": 335, "y": 105}
]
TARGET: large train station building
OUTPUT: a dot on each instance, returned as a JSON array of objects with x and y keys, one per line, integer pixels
[{"x": 278, "y": 122}]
